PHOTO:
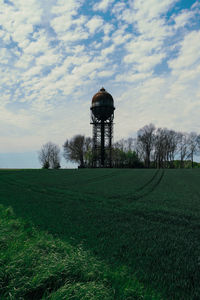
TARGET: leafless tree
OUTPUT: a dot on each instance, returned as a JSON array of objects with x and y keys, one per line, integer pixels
[
  {"x": 165, "y": 146},
  {"x": 88, "y": 151},
  {"x": 76, "y": 149},
  {"x": 172, "y": 146},
  {"x": 198, "y": 143},
  {"x": 129, "y": 144},
  {"x": 49, "y": 156},
  {"x": 183, "y": 150},
  {"x": 193, "y": 142},
  {"x": 145, "y": 142},
  {"x": 160, "y": 147},
  {"x": 120, "y": 144}
]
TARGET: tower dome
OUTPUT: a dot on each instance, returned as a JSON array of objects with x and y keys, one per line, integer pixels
[{"x": 102, "y": 105}]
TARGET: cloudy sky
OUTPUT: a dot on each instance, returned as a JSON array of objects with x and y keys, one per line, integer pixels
[{"x": 56, "y": 54}]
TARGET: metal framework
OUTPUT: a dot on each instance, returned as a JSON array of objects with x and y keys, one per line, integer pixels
[{"x": 102, "y": 141}]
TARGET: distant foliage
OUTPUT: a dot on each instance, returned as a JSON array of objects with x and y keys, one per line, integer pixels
[{"x": 124, "y": 155}]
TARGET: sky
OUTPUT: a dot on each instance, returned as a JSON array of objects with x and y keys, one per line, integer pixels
[{"x": 55, "y": 55}]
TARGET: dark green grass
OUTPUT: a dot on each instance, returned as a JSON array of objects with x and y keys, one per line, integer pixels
[
  {"x": 145, "y": 222},
  {"x": 34, "y": 265}
]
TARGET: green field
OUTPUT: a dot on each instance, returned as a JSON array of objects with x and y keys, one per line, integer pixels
[{"x": 138, "y": 231}]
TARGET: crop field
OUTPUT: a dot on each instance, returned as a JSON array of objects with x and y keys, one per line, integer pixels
[{"x": 136, "y": 231}]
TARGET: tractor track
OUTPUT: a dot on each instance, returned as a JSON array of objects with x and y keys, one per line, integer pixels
[
  {"x": 148, "y": 188},
  {"x": 148, "y": 182},
  {"x": 144, "y": 190}
]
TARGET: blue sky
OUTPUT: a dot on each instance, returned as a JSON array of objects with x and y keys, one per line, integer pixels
[{"x": 54, "y": 55}]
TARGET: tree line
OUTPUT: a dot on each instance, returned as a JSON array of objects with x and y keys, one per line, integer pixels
[
  {"x": 152, "y": 148},
  {"x": 164, "y": 148}
]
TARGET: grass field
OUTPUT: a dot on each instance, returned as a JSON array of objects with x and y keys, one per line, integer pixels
[{"x": 138, "y": 229}]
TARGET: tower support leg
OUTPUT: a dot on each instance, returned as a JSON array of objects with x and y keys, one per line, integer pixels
[{"x": 102, "y": 144}]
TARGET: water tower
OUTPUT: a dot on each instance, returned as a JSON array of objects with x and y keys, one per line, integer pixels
[{"x": 102, "y": 115}]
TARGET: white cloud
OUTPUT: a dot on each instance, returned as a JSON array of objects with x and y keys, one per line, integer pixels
[
  {"x": 17, "y": 20},
  {"x": 145, "y": 48},
  {"x": 95, "y": 24},
  {"x": 144, "y": 53},
  {"x": 107, "y": 28},
  {"x": 74, "y": 36},
  {"x": 32, "y": 72},
  {"x": 106, "y": 73},
  {"x": 108, "y": 50},
  {"x": 182, "y": 19},
  {"x": 133, "y": 77},
  {"x": 102, "y": 5},
  {"x": 151, "y": 9},
  {"x": 40, "y": 45},
  {"x": 48, "y": 59},
  {"x": 62, "y": 23},
  {"x": 67, "y": 24},
  {"x": 5, "y": 56},
  {"x": 189, "y": 54},
  {"x": 146, "y": 63},
  {"x": 70, "y": 7},
  {"x": 120, "y": 36},
  {"x": 186, "y": 71},
  {"x": 86, "y": 68}
]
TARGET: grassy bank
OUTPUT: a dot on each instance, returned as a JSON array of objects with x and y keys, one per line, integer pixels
[{"x": 35, "y": 265}]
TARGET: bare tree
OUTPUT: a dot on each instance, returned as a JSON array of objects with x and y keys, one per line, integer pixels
[
  {"x": 145, "y": 141},
  {"x": 198, "y": 143},
  {"x": 77, "y": 149},
  {"x": 129, "y": 144},
  {"x": 172, "y": 144},
  {"x": 49, "y": 156},
  {"x": 88, "y": 151},
  {"x": 183, "y": 147},
  {"x": 120, "y": 144},
  {"x": 160, "y": 147},
  {"x": 165, "y": 145},
  {"x": 193, "y": 141}
]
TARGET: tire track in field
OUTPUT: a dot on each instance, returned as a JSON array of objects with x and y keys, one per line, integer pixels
[
  {"x": 143, "y": 190},
  {"x": 149, "y": 187},
  {"x": 148, "y": 182},
  {"x": 140, "y": 193}
]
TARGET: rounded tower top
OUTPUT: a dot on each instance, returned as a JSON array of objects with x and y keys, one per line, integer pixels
[
  {"x": 102, "y": 98},
  {"x": 102, "y": 105}
]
